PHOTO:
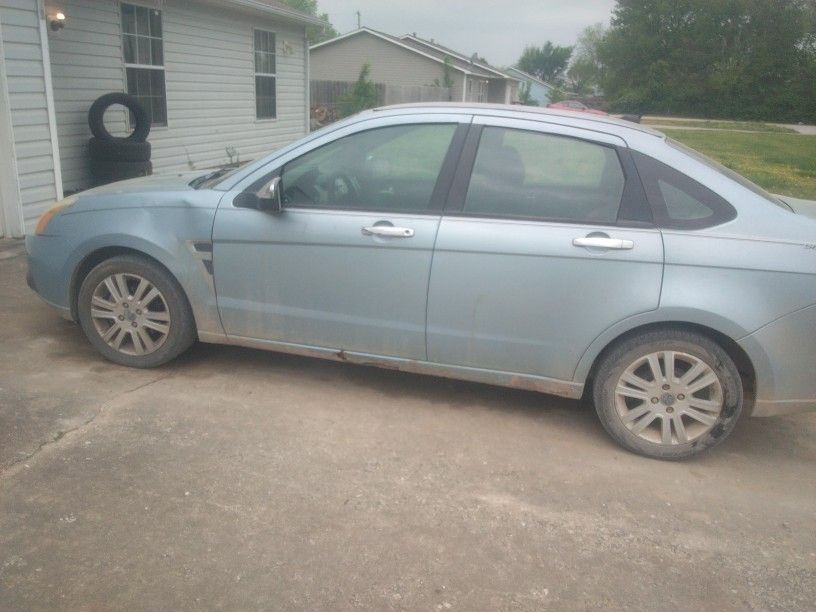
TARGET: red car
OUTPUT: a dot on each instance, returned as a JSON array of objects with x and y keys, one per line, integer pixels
[{"x": 575, "y": 105}]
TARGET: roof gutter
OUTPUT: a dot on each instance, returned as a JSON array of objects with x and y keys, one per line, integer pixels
[{"x": 281, "y": 11}]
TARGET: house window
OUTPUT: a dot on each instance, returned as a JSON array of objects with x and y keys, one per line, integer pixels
[
  {"x": 265, "y": 75},
  {"x": 144, "y": 59}
]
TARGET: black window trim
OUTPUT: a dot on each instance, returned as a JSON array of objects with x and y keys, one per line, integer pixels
[
  {"x": 723, "y": 210},
  {"x": 439, "y": 194},
  {"x": 634, "y": 210}
]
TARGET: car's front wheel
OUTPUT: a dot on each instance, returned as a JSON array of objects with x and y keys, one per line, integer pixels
[
  {"x": 134, "y": 312},
  {"x": 668, "y": 394}
]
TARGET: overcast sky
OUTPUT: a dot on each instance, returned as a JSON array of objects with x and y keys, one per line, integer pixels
[{"x": 496, "y": 30}]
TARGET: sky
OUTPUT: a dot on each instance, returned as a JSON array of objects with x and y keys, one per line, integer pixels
[{"x": 496, "y": 30}]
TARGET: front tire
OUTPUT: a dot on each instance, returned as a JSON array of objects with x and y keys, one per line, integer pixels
[
  {"x": 668, "y": 394},
  {"x": 135, "y": 313}
]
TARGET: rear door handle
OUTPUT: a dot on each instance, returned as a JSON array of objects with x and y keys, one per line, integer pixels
[
  {"x": 599, "y": 242},
  {"x": 388, "y": 230}
]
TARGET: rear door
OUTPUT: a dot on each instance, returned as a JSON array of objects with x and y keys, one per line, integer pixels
[{"x": 546, "y": 242}]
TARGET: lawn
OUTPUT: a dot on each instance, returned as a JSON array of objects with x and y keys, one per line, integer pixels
[
  {"x": 750, "y": 126},
  {"x": 781, "y": 163}
]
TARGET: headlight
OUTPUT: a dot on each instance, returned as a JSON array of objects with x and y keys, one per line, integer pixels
[{"x": 49, "y": 214}]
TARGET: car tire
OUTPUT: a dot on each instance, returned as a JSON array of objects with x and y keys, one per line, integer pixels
[
  {"x": 666, "y": 416},
  {"x": 104, "y": 172},
  {"x": 119, "y": 150},
  {"x": 154, "y": 322},
  {"x": 96, "y": 116}
]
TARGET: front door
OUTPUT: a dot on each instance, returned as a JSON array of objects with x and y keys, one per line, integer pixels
[
  {"x": 346, "y": 264},
  {"x": 547, "y": 245}
]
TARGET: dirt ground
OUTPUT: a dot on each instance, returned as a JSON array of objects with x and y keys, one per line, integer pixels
[{"x": 238, "y": 479}]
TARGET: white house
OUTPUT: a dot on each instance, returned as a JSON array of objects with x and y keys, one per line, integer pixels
[{"x": 225, "y": 80}]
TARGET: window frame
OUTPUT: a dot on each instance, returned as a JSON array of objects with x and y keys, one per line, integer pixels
[
  {"x": 128, "y": 65},
  {"x": 634, "y": 210},
  {"x": 723, "y": 210},
  {"x": 439, "y": 194},
  {"x": 256, "y": 74}
]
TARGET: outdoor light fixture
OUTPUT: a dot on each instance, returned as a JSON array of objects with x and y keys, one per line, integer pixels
[{"x": 58, "y": 22}]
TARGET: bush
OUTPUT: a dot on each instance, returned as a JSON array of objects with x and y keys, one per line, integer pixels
[{"x": 360, "y": 97}]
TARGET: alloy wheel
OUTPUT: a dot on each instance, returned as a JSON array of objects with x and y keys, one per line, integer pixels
[
  {"x": 130, "y": 314},
  {"x": 669, "y": 398}
]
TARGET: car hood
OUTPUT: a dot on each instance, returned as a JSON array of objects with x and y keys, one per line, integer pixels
[
  {"x": 161, "y": 190},
  {"x": 805, "y": 208},
  {"x": 146, "y": 184}
]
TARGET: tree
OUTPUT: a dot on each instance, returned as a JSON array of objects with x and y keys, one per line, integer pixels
[
  {"x": 745, "y": 59},
  {"x": 585, "y": 74},
  {"x": 547, "y": 62},
  {"x": 314, "y": 34},
  {"x": 361, "y": 96}
]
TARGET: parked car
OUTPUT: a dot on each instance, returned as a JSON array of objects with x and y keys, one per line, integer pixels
[
  {"x": 573, "y": 255},
  {"x": 575, "y": 105}
]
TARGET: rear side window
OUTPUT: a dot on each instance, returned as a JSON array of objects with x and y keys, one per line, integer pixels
[
  {"x": 680, "y": 202},
  {"x": 531, "y": 175}
]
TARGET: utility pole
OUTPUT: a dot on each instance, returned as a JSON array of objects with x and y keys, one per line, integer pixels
[{"x": 358, "y": 19}]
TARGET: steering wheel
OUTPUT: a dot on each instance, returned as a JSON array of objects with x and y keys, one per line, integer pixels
[{"x": 341, "y": 189}]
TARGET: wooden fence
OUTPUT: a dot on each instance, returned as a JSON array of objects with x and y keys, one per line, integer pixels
[{"x": 326, "y": 96}]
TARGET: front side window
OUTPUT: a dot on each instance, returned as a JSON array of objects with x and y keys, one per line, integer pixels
[
  {"x": 385, "y": 169},
  {"x": 680, "y": 202},
  {"x": 531, "y": 175},
  {"x": 265, "y": 75},
  {"x": 144, "y": 59}
]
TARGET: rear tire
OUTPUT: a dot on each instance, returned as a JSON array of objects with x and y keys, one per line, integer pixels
[
  {"x": 135, "y": 313},
  {"x": 668, "y": 394}
]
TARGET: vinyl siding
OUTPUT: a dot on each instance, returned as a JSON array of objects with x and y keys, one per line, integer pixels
[
  {"x": 390, "y": 63},
  {"x": 25, "y": 78},
  {"x": 209, "y": 79}
]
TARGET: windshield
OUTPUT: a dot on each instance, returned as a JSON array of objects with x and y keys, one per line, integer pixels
[{"x": 734, "y": 176}]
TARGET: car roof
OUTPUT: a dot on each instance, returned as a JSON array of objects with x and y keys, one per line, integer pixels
[{"x": 607, "y": 124}]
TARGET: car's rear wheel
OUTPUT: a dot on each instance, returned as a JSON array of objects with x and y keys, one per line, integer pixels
[
  {"x": 668, "y": 394},
  {"x": 134, "y": 312}
]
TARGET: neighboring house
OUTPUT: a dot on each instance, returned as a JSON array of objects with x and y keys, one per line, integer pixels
[
  {"x": 540, "y": 92},
  {"x": 409, "y": 60},
  {"x": 215, "y": 74}
]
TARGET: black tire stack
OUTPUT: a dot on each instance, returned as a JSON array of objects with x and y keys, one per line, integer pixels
[{"x": 116, "y": 159}]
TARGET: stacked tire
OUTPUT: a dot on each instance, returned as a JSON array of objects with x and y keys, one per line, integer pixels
[{"x": 117, "y": 159}]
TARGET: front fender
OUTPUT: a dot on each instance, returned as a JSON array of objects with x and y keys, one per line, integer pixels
[{"x": 167, "y": 235}]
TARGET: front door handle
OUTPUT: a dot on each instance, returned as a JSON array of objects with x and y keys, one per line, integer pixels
[
  {"x": 388, "y": 230},
  {"x": 600, "y": 242}
]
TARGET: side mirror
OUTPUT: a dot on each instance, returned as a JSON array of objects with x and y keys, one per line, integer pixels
[{"x": 266, "y": 199}]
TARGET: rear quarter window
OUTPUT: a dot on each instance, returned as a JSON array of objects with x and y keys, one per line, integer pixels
[{"x": 678, "y": 201}]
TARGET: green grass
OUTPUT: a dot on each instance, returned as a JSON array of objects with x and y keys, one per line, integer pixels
[
  {"x": 718, "y": 125},
  {"x": 781, "y": 163}
]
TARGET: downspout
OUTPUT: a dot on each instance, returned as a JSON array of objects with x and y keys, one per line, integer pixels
[
  {"x": 308, "y": 89},
  {"x": 464, "y": 88},
  {"x": 49, "y": 100}
]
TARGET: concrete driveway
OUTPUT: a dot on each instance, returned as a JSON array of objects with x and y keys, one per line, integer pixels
[{"x": 238, "y": 479}]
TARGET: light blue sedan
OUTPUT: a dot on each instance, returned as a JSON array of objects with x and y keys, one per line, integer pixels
[{"x": 569, "y": 254}]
